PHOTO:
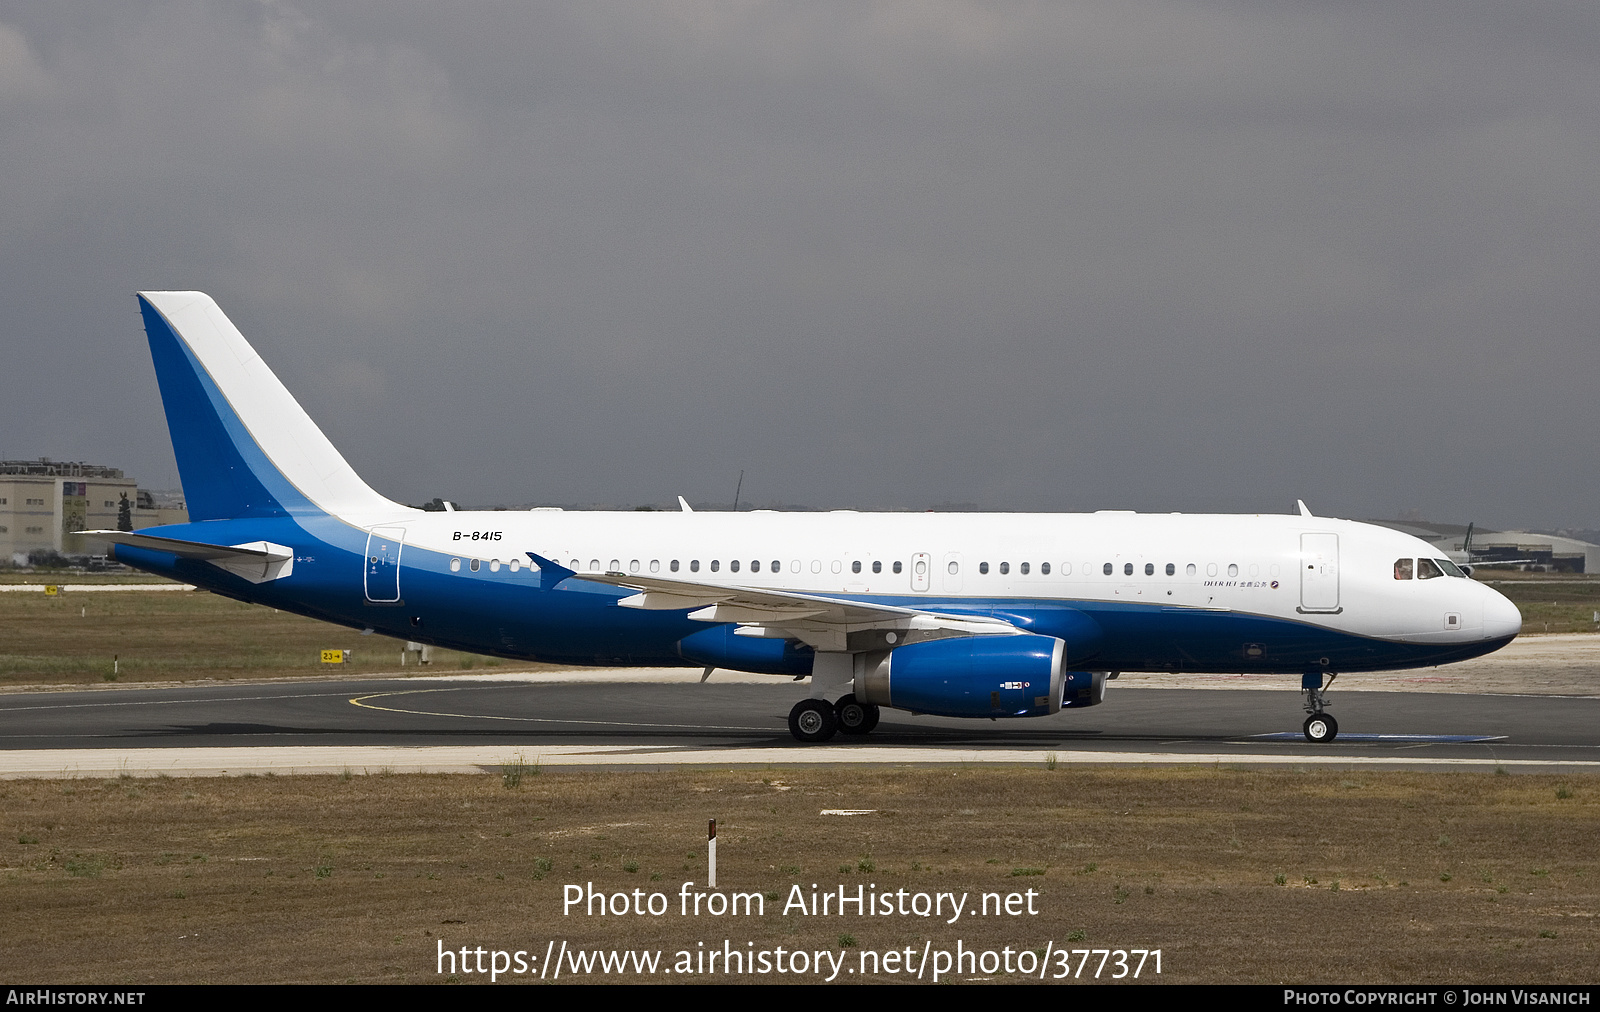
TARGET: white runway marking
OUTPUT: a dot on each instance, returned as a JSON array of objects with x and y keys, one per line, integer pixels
[
  {"x": 362, "y": 701},
  {"x": 64, "y": 588},
  {"x": 375, "y": 759}
]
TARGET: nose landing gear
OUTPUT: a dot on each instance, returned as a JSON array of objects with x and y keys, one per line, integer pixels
[{"x": 1319, "y": 727}]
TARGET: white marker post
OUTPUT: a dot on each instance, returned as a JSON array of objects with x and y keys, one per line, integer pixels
[{"x": 711, "y": 853}]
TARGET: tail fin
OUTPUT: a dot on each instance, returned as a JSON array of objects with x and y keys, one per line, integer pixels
[{"x": 245, "y": 447}]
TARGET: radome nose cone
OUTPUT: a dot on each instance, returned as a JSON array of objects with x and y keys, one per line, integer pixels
[{"x": 1501, "y": 618}]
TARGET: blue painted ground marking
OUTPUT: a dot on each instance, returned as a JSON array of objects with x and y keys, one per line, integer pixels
[{"x": 1431, "y": 739}]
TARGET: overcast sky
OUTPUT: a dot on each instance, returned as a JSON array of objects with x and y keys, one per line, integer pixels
[{"x": 1159, "y": 256}]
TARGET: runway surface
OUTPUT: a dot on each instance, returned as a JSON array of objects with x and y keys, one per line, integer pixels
[{"x": 469, "y": 722}]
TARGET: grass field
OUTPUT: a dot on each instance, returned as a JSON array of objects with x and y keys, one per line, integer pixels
[
  {"x": 1243, "y": 876},
  {"x": 181, "y": 635},
  {"x": 1550, "y": 602}
]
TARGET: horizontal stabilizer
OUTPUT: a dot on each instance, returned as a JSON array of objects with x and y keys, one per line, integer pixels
[{"x": 256, "y": 561}]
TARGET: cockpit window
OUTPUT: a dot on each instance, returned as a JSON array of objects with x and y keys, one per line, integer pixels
[
  {"x": 1450, "y": 568},
  {"x": 1426, "y": 570},
  {"x": 1402, "y": 569}
]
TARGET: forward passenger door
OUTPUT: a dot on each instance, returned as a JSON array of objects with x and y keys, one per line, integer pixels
[{"x": 1319, "y": 573}]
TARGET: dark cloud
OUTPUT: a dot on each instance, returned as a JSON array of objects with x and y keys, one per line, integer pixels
[{"x": 1160, "y": 256}]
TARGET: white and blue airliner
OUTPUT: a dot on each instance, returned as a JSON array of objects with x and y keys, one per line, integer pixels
[{"x": 955, "y": 614}]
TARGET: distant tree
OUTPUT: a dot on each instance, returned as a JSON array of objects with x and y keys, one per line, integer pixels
[{"x": 124, "y": 514}]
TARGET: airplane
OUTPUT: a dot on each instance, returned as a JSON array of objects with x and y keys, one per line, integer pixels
[
  {"x": 1469, "y": 561},
  {"x": 952, "y": 614}
]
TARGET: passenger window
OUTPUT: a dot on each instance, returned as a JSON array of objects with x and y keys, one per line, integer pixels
[
  {"x": 694, "y": 565},
  {"x": 777, "y": 568},
  {"x": 1189, "y": 570},
  {"x": 473, "y": 565},
  {"x": 1426, "y": 570},
  {"x": 983, "y": 567},
  {"x": 954, "y": 568},
  {"x": 897, "y": 568},
  {"x": 633, "y": 567},
  {"x": 1107, "y": 569},
  {"x": 515, "y": 564},
  {"x": 594, "y": 566},
  {"x": 855, "y": 567},
  {"x": 1044, "y": 569},
  {"x": 816, "y": 566},
  {"x": 673, "y": 565},
  {"x": 1005, "y": 568},
  {"x": 1233, "y": 569},
  {"x": 837, "y": 566},
  {"x": 716, "y": 564},
  {"x": 1023, "y": 569},
  {"x": 1402, "y": 569},
  {"x": 616, "y": 566},
  {"x": 1211, "y": 569},
  {"x": 1149, "y": 569},
  {"x": 755, "y": 565},
  {"x": 655, "y": 565},
  {"x": 877, "y": 567},
  {"x": 494, "y": 567},
  {"x": 1171, "y": 569},
  {"x": 1127, "y": 569},
  {"x": 455, "y": 565},
  {"x": 733, "y": 567}
]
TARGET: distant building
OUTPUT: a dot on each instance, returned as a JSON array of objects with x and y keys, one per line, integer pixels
[
  {"x": 1544, "y": 551},
  {"x": 44, "y": 503},
  {"x": 1550, "y": 552}
]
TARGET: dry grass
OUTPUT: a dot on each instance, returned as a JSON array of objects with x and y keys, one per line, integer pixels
[
  {"x": 181, "y": 635},
  {"x": 1550, "y": 602},
  {"x": 1236, "y": 876}
]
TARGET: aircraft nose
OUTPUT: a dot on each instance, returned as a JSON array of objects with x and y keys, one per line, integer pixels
[{"x": 1501, "y": 618}]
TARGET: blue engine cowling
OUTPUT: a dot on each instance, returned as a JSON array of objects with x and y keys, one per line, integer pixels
[{"x": 973, "y": 676}]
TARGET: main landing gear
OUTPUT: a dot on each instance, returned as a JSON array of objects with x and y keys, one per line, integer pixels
[
  {"x": 854, "y": 717},
  {"x": 1320, "y": 727},
  {"x": 817, "y": 720}
]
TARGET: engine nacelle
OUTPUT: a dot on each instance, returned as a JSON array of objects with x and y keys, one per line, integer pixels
[
  {"x": 1083, "y": 688},
  {"x": 973, "y": 676}
]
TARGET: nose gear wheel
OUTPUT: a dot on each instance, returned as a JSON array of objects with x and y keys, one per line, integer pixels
[{"x": 1321, "y": 728}]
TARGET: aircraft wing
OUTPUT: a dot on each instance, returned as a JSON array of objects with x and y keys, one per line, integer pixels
[{"x": 822, "y": 622}]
